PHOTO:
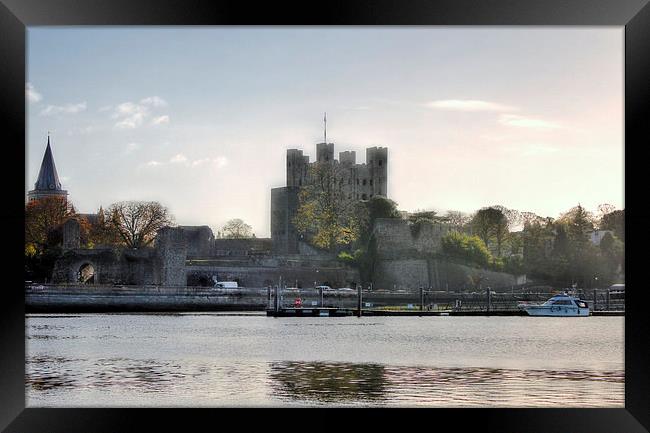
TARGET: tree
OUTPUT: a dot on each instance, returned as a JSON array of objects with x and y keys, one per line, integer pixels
[
  {"x": 42, "y": 218},
  {"x": 138, "y": 222},
  {"x": 237, "y": 229},
  {"x": 364, "y": 255},
  {"x": 101, "y": 231},
  {"x": 470, "y": 249},
  {"x": 604, "y": 209},
  {"x": 614, "y": 221},
  {"x": 612, "y": 250},
  {"x": 326, "y": 216},
  {"x": 457, "y": 218},
  {"x": 538, "y": 236},
  {"x": 489, "y": 223},
  {"x": 582, "y": 256}
]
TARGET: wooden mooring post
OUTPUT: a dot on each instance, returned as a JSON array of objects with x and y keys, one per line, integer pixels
[
  {"x": 276, "y": 305},
  {"x": 489, "y": 299},
  {"x": 421, "y": 299},
  {"x": 359, "y": 300}
]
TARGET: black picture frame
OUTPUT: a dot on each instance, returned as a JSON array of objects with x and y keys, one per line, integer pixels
[{"x": 15, "y": 15}]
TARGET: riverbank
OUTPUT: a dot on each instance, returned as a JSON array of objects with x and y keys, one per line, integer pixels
[{"x": 135, "y": 299}]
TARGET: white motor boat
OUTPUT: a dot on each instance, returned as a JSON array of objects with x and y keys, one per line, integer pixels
[{"x": 563, "y": 305}]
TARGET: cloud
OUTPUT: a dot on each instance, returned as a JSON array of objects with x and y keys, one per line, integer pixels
[
  {"x": 154, "y": 101},
  {"x": 200, "y": 161},
  {"x": 131, "y": 115},
  {"x": 220, "y": 161},
  {"x": 178, "y": 158},
  {"x": 82, "y": 130},
  {"x": 467, "y": 105},
  {"x": 160, "y": 120},
  {"x": 31, "y": 93},
  {"x": 182, "y": 160},
  {"x": 131, "y": 147},
  {"x": 52, "y": 110},
  {"x": 526, "y": 122},
  {"x": 533, "y": 149}
]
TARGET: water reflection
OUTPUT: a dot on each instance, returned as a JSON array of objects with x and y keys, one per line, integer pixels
[
  {"x": 328, "y": 382},
  {"x": 373, "y": 384}
]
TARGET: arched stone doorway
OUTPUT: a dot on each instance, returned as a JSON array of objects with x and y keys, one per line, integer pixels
[{"x": 86, "y": 274}]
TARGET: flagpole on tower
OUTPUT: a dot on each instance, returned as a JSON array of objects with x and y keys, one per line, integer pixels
[{"x": 325, "y": 127}]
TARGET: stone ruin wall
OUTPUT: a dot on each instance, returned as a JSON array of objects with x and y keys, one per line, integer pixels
[
  {"x": 406, "y": 260},
  {"x": 170, "y": 257},
  {"x": 110, "y": 265}
]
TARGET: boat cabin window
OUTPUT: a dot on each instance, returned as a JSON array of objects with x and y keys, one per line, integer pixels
[{"x": 561, "y": 302}]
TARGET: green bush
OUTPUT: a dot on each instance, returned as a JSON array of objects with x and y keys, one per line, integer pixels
[{"x": 471, "y": 249}]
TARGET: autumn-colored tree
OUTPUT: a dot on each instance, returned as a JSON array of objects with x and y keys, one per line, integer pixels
[
  {"x": 138, "y": 222},
  {"x": 326, "y": 216},
  {"x": 42, "y": 218},
  {"x": 237, "y": 229},
  {"x": 101, "y": 231},
  {"x": 43, "y": 235}
]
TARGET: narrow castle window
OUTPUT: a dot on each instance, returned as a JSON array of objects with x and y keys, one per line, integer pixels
[
  {"x": 380, "y": 162},
  {"x": 370, "y": 181},
  {"x": 357, "y": 184},
  {"x": 364, "y": 181},
  {"x": 364, "y": 197}
]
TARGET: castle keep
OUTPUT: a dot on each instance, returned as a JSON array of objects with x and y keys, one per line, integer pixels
[{"x": 360, "y": 182}]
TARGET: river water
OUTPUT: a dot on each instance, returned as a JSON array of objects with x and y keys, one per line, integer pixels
[{"x": 220, "y": 359}]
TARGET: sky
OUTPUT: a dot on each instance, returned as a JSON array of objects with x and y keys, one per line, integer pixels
[{"x": 200, "y": 118}]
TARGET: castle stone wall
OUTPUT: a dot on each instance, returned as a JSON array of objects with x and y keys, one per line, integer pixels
[
  {"x": 71, "y": 234},
  {"x": 284, "y": 205},
  {"x": 199, "y": 240},
  {"x": 170, "y": 257},
  {"x": 241, "y": 247},
  {"x": 262, "y": 276},
  {"x": 437, "y": 274}
]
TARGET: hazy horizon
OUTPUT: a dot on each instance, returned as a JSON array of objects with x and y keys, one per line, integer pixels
[{"x": 200, "y": 118}]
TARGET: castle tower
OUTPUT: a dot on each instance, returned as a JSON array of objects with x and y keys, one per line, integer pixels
[
  {"x": 325, "y": 152},
  {"x": 377, "y": 163},
  {"x": 297, "y": 165},
  {"x": 47, "y": 184}
]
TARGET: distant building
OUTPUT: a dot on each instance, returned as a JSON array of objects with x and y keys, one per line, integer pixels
[{"x": 47, "y": 184}]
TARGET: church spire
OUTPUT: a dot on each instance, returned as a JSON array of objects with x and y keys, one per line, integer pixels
[
  {"x": 48, "y": 183},
  {"x": 48, "y": 178}
]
